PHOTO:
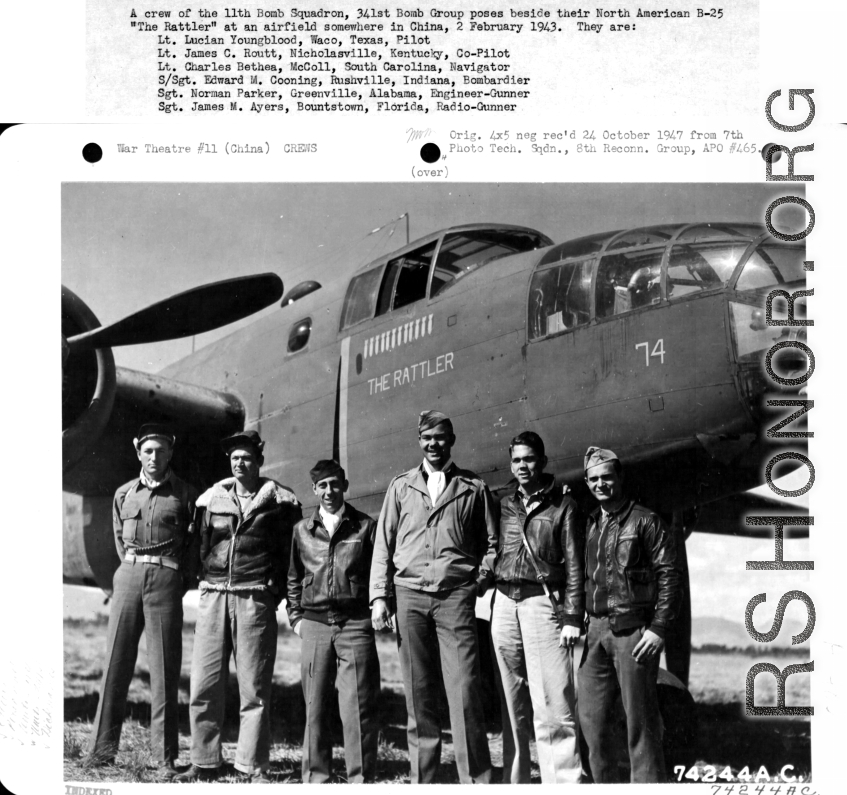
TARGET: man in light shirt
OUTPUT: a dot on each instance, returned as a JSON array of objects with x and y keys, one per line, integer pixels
[
  {"x": 436, "y": 527},
  {"x": 328, "y": 609},
  {"x": 157, "y": 544}
]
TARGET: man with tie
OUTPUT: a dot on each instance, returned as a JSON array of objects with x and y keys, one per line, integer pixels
[
  {"x": 436, "y": 526},
  {"x": 632, "y": 594}
]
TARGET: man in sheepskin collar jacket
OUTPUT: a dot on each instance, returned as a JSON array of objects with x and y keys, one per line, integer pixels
[
  {"x": 245, "y": 542},
  {"x": 242, "y": 549}
]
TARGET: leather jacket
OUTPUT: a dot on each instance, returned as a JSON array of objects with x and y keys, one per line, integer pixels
[
  {"x": 554, "y": 531},
  {"x": 642, "y": 578},
  {"x": 328, "y": 576},
  {"x": 249, "y": 551}
]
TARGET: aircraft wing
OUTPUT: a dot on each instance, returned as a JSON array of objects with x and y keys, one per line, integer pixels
[{"x": 726, "y": 516}]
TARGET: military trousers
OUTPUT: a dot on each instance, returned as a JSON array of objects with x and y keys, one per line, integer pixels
[
  {"x": 538, "y": 690},
  {"x": 341, "y": 656},
  {"x": 433, "y": 627},
  {"x": 242, "y": 624},
  {"x": 146, "y": 598},
  {"x": 607, "y": 664}
]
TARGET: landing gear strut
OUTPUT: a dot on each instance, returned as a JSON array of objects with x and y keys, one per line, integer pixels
[{"x": 678, "y": 636}]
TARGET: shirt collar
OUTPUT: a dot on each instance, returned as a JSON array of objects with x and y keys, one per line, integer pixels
[
  {"x": 428, "y": 470},
  {"x": 619, "y": 511},
  {"x": 323, "y": 513},
  {"x": 530, "y": 500},
  {"x": 154, "y": 484},
  {"x": 547, "y": 483}
]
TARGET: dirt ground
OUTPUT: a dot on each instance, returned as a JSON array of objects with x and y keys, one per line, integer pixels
[{"x": 716, "y": 735}]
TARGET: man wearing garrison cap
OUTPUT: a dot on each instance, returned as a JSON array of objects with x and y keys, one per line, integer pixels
[
  {"x": 328, "y": 608},
  {"x": 245, "y": 538},
  {"x": 152, "y": 517},
  {"x": 436, "y": 526},
  {"x": 632, "y": 594}
]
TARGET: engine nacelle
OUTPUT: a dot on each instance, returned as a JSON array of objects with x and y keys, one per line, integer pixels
[
  {"x": 88, "y": 383},
  {"x": 89, "y": 555}
]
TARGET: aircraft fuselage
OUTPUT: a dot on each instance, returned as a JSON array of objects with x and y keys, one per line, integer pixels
[{"x": 650, "y": 363}]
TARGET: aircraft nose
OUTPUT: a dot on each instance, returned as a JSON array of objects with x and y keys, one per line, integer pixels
[
  {"x": 753, "y": 342},
  {"x": 756, "y": 386}
]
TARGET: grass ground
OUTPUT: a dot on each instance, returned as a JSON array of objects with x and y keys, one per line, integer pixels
[{"x": 724, "y": 737}]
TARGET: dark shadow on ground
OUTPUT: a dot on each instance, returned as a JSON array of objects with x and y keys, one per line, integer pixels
[
  {"x": 729, "y": 737},
  {"x": 721, "y": 735}
]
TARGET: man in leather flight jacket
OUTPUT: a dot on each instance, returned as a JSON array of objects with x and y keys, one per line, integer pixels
[
  {"x": 245, "y": 541},
  {"x": 532, "y": 637},
  {"x": 328, "y": 609},
  {"x": 633, "y": 593},
  {"x": 155, "y": 541}
]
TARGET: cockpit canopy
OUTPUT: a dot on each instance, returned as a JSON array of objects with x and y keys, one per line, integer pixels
[
  {"x": 601, "y": 276},
  {"x": 430, "y": 266}
]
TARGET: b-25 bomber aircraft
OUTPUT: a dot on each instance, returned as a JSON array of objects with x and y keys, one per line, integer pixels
[{"x": 648, "y": 341}]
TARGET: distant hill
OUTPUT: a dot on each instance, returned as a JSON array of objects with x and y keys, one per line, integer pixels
[{"x": 719, "y": 631}]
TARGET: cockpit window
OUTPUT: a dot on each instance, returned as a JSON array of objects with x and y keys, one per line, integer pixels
[
  {"x": 464, "y": 252},
  {"x": 645, "y": 267},
  {"x": 560, "y": 298},
  {"x": 692, "y": 268},
  {"x": 772, "y": 264},
  {"x": 361, "y": 298},
  {"x": 574, "y": 248},
  {"x": 628, "y": 281},
  {"x": 405, "y": 279}
]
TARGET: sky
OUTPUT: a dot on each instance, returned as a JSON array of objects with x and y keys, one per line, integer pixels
[{"x": 125, "y": 246}]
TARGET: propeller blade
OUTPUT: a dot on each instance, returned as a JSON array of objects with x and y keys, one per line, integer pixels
[{"x": 185, "y": 314}]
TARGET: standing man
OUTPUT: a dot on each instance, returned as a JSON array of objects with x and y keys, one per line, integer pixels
[
  {"x": 632, "y": 594},
  {"x": 537, "y": 615},
  {"x": 245, "y": 541},
  {"x": 436, "y": 526},
  {"x": 328, "y": 609},
  {"x": 152, "y": 516}
]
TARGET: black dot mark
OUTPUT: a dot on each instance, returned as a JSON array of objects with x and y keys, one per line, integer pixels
[
  {"x": 92, "y": 153},
  {"x": 430, "y": 153},
  {"x": 771, "y": 152}
]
